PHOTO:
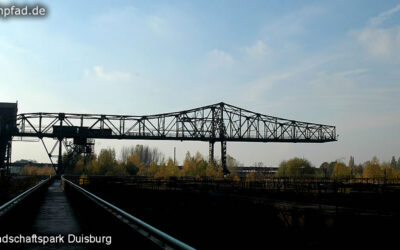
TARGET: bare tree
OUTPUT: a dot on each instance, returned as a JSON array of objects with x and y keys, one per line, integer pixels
[{"x": 144, "y": 152}]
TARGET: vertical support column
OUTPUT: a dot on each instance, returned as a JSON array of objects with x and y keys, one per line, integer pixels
[
  {"x": 103, "y": 117},
  {"x": 211, "y": 153},
  {"x": 174, "y": 155},
  {"x": 61, "y": 117},
  {"x": 212, "y": 141},
  {"x": 8, "y": 128},
  {"x": 5, "y": 154},
  {"x": 40, "y": 123},
  {"x": 8, "y": 158},
  {"x": 222, "y": 138},
  {"x": 59, "y": 166},
  {"x": 223, "y": 158}
]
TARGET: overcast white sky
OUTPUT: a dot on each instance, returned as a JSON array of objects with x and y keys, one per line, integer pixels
[{"x": 330, "y": 62}]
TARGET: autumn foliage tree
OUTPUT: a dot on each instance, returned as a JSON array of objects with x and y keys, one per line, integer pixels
[
  {"x": 296, "y": 167},
  {"x": 196, "y": 166},
  {"x": 340, "y": 171},
  {"x": 372, "y": 169},
  {"x": 133, "y": 164},
  {"x": 282, "y": 169},
  {"x": 103, "y": 164},
  {"x": 34, "y": 170},
  {"x": 154, "y": 165}
]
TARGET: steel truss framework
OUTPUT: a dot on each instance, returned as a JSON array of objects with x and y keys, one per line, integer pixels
[{"x": 214, "y": 123}]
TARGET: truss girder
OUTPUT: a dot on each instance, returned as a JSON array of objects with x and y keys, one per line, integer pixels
[{"x": 218, "y": 122}]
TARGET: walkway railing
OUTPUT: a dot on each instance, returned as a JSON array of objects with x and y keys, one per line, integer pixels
[
  {"x": 269, "y": 184},
  {"x": 8, "y": 205},
  {"x": 160, "y": 238}
]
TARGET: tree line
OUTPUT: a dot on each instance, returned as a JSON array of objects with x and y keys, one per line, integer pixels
[
  {"x": 145, "y": 161},
  {"x": 373, "y": 168},
  {"x": 34, "y": 170}
]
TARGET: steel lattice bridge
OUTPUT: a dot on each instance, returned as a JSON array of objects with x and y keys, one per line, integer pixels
[{"x": 219, "y": 122}]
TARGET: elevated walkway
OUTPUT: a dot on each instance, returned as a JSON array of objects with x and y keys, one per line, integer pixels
[{"x": 54, "y": 214}]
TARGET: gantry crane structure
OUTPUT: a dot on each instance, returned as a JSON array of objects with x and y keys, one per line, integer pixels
[{"x": 219, "y": 122}]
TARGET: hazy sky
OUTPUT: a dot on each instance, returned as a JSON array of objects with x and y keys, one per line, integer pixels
[{"x": 330, "y": 62}]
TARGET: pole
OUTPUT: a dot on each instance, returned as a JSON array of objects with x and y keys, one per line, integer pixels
[{"x": 174, "y": 155}]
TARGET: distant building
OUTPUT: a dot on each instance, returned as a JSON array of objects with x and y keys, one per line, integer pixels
[
  {"x": 15, "y": 169},
  {"x": 242, "y": 171}
]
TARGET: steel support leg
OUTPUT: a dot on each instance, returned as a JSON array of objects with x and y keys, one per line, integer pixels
[
  {"x": 223, "y": 158},
  {"x": 5, "y": 154},
  {"x": 60, "y": 171},
  {"x": 59, "y": 167},
  {"x": 8, "y": 158},
  {"x": 211, "y": 153}
]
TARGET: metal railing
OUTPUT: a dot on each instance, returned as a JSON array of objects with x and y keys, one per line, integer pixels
[
  {"x": 260, "y": 184},
  {"x": 157, "y": 236},
  {"x": 8, "y": 205}
]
